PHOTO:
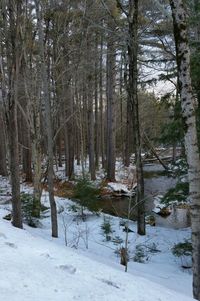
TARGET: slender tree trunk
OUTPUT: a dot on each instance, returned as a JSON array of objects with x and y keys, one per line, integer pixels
[
  {"x": 3, "y": 164},
  {"x": 66, "y": 150},
  {"x": 189, "y": 119},
  {"x": 101, "y": 104},
  {"x": 26, "y": 153},
  {"x": 14, "y": 166},
  {"x": 90, "y": 74},
  {"x": 69, "y": 136},
  {"x": 127, "y": 151},
  {"x": 37, "y": 190},
  {"x": 91, "y": 133},
  {"x": 111, "y": 104},
  {"x": 32, "y": 90},
  {"x": 48, "y": 122},
  {"x": 96, "y": 105},
  {"x": 133, "y": 98},
  {"x": 121, "y": 109},
  {"x": 59, "y": 146},
  {"x": 13, "y": 58}
]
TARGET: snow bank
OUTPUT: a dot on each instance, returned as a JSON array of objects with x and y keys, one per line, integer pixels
[{"x": 34, "y": 269}]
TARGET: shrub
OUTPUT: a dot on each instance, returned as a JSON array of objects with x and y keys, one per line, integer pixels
[
  {"x": 87, "y": 194},
  {"x": 139, "y": 255},
  {"x": 117, "y": 240},
  {"x": 74, "y": 208},
  {"x": 107, "y": 229},
  {"x": 143, "y": 252},
  {"x": 27, "y": 202},
  {"x": 182, "y": 248}
]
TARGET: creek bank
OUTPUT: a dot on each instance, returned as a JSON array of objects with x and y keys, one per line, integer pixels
[{"x": 115, "y": 197}]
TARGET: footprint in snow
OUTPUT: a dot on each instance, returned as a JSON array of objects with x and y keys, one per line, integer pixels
[
  {"x": 109, "y": 282},
  {"x": 10, "y": 244},
  {"x": 46, "y": 255},
  {"x": 2, "y": 235},
  {"x": 68, "y": 268}
]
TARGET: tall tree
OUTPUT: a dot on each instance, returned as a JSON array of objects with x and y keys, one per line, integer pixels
[
  {"x": 48, "y": 118},
  {"x": 111, "y": 95},
  {"x": 133, "y": 99},
  {"x": 189, "y": 119},
  {"x": 12, "y": 14},
  {"x": 3, "y": 164}
]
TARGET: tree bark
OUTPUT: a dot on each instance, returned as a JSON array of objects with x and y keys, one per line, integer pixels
[
  {"x": 70, "y": 137},
  {"x": 111, "y": 103},
  {"x": 3, "y": 164},
  {"x": 189, "y": 119},
  {"x": 101, "y": 108},
  {"x": 26, "y": 152},
  {"x": 96, "y": 106},
  {"x": 133, "y": 98},
  {"x": 48, "y": 121},
  {"x": 14, "y": 61}
]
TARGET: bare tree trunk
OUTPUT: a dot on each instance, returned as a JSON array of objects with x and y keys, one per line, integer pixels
[
  {"x": 59, "y": 141},
  {"x": 48, "y": 122},
  {"x": 69, "y": 138},
  {"x": 189, "y": 119},
  {"x": 101, "y": 104},
  {"x": 127, "y": 138},
  {"x": 37, "y": 190},
  {"x": 14, "y": 61},
  {"x": 26, "y": 153},
  {"x": 90, "y": 73},
  {"x": 32, "y": 90},
  {"x": 133, "y": 98},
  {"x": 111, "y": 103},
  {"x": 14, "y": 165},
  {"x": 96, "y": 105},
  {"x": 91, "y": 132},
  {"x": 121, "y": 109},
  {"x": 3, "y": 164},
  {"x": 66, "y": 150}
]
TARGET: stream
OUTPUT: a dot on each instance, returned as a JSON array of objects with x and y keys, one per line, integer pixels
[{"x": 157, "y": 182}]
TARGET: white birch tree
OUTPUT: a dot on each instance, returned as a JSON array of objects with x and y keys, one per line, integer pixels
[{"x": 189, "y": 119}]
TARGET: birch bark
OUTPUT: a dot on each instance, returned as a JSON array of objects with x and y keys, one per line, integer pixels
[{"x": 189, "y": 118}]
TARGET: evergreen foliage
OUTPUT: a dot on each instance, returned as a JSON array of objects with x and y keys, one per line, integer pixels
[
  {"x": 27, "y": 202},
  {"x": 107, "y": 229},
  {"x": 182, "y": 248},
  {"x": 139, "y": 255},
  {"x": 178, "y": 194},
  {"x": 87, "y": 194},
  {"x": 172, "y": 132}
]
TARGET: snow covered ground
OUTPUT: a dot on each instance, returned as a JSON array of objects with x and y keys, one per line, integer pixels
[
  {"x": 82, "y": 265},
  {"x": 34, "y": 268}
]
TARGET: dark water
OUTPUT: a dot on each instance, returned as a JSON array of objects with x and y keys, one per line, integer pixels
[
  {"x": 157, "y": 182},
  {"x": 118, "y": 206}
]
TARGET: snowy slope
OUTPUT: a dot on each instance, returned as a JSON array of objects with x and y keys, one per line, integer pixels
[{"x": 34, "y": 269}]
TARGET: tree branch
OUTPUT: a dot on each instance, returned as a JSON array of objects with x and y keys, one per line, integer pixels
[{"x": 121, "y": 7}]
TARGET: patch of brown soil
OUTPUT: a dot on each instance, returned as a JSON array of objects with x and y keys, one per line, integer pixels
[{"x": 64, "y": 189}]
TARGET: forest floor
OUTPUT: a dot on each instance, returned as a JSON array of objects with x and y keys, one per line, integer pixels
[{"x": 82, "y": 264}]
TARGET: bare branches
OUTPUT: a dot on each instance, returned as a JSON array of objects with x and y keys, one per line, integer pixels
[{"x": 121, "y": 7}]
